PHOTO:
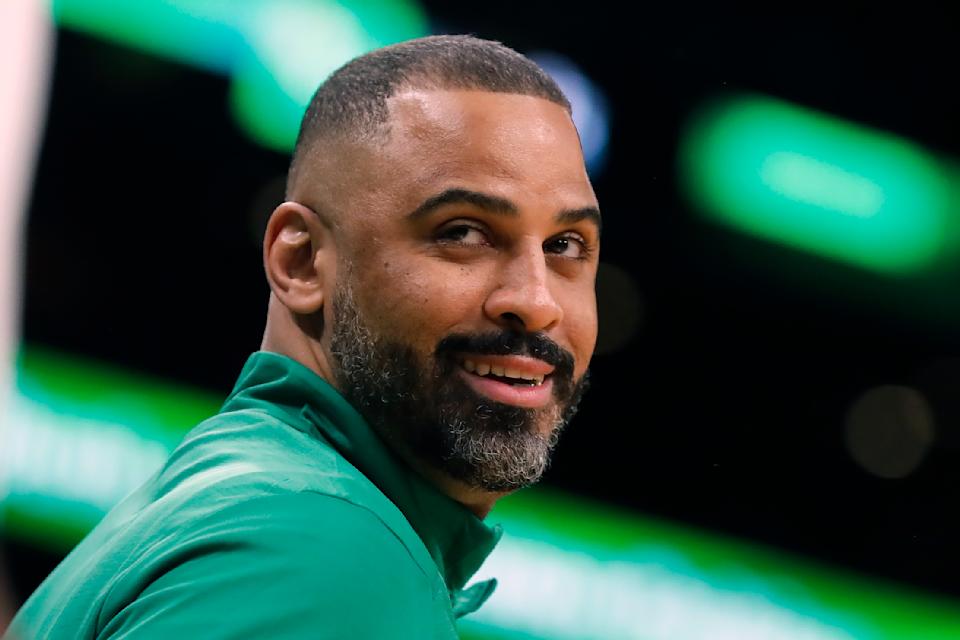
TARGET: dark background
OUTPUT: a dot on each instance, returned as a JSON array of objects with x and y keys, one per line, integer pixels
[{"x": 726, "y": 407}]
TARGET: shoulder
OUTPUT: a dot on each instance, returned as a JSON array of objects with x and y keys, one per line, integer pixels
[
  {"x": 294, "y": 562},
  {"x": 250, "y": 471},
  {"x": 306, "y": 529},
  {"x": 249, "y": 452},
  {"x": 314, "y": 527}
]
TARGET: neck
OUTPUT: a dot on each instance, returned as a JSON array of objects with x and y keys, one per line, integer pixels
[
  {"x": 289, "y": 336},
  {"x": 478, "y": 501}
]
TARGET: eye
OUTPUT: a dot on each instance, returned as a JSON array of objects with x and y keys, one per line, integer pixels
[
  {"x": 463, "y": 234},
  {"x": 570, "y": 245}
]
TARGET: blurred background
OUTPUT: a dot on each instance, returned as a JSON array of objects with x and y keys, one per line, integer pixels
[{"x": 771, "y": 447}]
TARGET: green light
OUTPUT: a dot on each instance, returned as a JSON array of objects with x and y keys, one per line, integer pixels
[
  {"x": 202, "y": 33},
  {"x": 808, "y": 180},
  {"x": 276, "y": 51},
  {"x": 819, "y": 184},
  {"x": 80, "y": 435}
]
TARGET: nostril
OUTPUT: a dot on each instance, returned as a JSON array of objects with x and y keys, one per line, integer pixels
[{"x": 513, "y": 318}]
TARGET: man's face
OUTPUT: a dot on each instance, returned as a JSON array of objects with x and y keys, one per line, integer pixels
[{"x": 465, "y": 316}]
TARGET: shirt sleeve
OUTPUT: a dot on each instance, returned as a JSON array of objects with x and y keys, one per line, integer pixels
[{"x": 293, "y": 566}]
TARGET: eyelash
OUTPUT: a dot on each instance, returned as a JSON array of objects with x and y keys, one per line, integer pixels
[
  {"x": 585, "y": 250},
  {"x": 456, "y": 227}
]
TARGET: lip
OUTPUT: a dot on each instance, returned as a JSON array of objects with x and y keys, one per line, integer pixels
[{"x": 528, "y": 397}]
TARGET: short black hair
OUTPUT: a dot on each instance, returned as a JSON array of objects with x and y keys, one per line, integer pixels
[{"x": 352, "y": 102}]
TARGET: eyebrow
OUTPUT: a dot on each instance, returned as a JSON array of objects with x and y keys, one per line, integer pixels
[
  {"x": 497, "y": 205},
  {"x": 573, "y": 216}
]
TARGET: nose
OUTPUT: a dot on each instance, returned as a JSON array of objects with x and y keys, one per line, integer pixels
[{"x": 522, "y": 298}]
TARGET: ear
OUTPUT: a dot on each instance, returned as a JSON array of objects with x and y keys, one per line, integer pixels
[{"x": 299, "y": 257}]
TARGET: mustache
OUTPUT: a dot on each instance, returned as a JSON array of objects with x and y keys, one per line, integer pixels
[{"x": 511, "y": 343}]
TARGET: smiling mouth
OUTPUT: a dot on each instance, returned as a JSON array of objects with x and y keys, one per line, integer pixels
[
  {"x": 519, "y": 381},
  {"x": 514, "y": 373}
]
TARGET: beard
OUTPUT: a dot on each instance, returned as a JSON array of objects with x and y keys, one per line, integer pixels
[{"x": 426, "y": 409}]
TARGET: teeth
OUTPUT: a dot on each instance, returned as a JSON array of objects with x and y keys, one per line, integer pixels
[{"x": 482, "y": 369}]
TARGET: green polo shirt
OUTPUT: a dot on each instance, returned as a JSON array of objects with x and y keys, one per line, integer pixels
[{"x": 283, "y": 516}]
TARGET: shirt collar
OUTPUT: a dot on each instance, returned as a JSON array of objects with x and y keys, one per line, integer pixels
[{"x": 456, "y": 539}]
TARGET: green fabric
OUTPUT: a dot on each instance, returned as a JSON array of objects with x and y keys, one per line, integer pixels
[{"x": 283, "y": 516}]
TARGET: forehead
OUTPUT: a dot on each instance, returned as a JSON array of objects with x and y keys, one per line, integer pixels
[
  {"x": 423, "y": 115},
  {"x": 481, "y": 136}
]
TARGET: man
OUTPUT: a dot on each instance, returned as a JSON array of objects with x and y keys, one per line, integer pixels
[{"x": 430, "y": 324}]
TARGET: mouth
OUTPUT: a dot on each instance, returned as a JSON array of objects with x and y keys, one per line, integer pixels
[{"x": 519, "y": 381}]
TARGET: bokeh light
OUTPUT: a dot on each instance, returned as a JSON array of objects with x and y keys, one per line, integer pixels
[
  {"x": 818, "y": 183},
  {"x": 591, "y": 112},
  {"x": 889, "y": 430},
  {"x": 620, "y": 306}
]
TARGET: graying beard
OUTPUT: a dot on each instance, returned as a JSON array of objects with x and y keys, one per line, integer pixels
[
  {"x": 499, "y": 461},
  {"x": 372, "y": 377}
]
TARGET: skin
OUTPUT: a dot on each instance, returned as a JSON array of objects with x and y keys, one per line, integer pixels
[{"x": 460, "y": 267}]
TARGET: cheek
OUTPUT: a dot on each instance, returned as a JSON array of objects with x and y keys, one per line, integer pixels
[
  {"x": 420, "y": 300},
  {"x": 580, "y": 318}
]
